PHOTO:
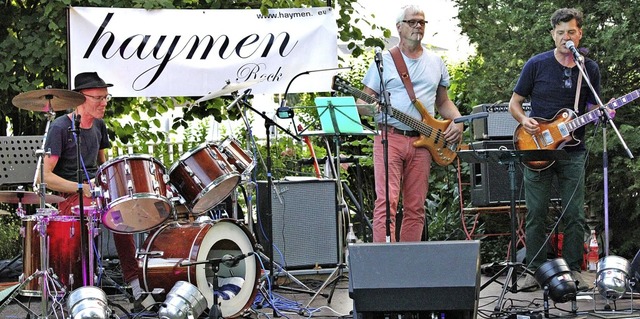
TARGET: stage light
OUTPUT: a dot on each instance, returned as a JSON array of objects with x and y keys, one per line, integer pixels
[
  {"x": 183, "y": 301},
  {"x": 555, "y": 275},
  {"x": 612, "y": 277},
  {"x": 88, "y": 302}
]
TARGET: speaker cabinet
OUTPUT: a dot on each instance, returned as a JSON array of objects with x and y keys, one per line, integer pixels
[
  {"x": 438, "y": 277},
  {"x": 499, "y": 124},
  {"x": 490, "y": 183},
  {"x": 304, "y": 222}
]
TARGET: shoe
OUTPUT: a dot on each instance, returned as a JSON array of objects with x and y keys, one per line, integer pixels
[
  {"x": 530, "y": 284},
  {"x": 581, "y": 284},
  {"x": 143, "y": 303}
]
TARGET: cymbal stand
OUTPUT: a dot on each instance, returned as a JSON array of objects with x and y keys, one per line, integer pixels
[{"x": 42, "y": 217}]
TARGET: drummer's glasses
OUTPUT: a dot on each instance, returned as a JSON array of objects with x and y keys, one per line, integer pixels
[
  {"x": 567, "y": 78},
  {"x": 99, "y": 98},
  {"x": 414, "y": 23}
]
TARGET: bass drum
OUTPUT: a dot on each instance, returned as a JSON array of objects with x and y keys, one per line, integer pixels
[{"x": 178, "y": 242}]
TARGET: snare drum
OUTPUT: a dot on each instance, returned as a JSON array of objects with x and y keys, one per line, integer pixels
[
  {"x": 236, "y": 156},
  {"x": 64, "y": 252},
  {"x": 203, "y": 177},
  {"x": 136, "y": 196},
  {"x": 178, "y": 242}
]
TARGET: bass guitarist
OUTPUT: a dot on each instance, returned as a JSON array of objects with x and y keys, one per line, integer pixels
[
  {"x": 552, "y": 81},
  {"x": 408, "y": 166}
]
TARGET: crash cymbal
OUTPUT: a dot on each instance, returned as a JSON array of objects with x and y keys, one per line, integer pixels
[
  {"x": 28, "y": 198},
  {"x": 38, "y": 100},
  {"x": 228, "y": 89}
]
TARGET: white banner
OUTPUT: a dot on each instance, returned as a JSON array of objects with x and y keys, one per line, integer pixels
[{"x": 154, "y": 53}]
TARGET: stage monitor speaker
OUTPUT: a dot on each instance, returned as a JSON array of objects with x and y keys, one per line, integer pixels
[
  {"x": 305, "y": 227},
  {"x": 498, "y": 125},
  {"x": 437, "y": 276},
  {"x": 490, "y": 184}
]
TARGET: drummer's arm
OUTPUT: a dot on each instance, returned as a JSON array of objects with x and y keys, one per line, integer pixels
[
  {"x": 102, "y": 156},
  {"x": 57, "y": 183}
]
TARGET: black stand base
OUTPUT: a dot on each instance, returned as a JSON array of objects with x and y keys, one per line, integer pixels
[{"x": 512, "y": 269}]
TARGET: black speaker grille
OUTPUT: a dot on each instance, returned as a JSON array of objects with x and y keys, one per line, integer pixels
[
  {"x": 490, "y": 184},
  {"x": 498, "y": 125},
  {"x": 420, "y": 276},
  {"x": 304, "y": 216}
]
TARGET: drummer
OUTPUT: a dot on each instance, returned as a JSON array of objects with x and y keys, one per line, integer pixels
[{"x": 60, "y": 169}]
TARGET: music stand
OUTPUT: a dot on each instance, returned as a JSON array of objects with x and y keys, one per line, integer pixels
[
  {"x": 510, "y": 158},
  {"x": 338, "y": 116}
]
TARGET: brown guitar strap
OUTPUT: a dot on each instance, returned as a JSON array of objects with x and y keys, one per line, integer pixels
[
  {"x": 402, "y": 71},
  {"x": 579, "y": 84}
]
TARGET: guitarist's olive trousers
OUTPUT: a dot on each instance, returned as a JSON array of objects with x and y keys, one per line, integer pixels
[{"x": 538, "y": 189}]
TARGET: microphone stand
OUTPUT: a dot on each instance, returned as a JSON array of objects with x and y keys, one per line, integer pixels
[
  {"x": 605, "y": 118},
  {"x": 386, "y": 112},
  {"x": 268, "y": 123},
  {"x": 75, "y": 129}
]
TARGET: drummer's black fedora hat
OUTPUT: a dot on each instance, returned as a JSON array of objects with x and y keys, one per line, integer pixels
[{"x": 89, "y": 80}]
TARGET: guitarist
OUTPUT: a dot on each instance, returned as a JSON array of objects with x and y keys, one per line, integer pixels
[
  {"x": 551, "y": 81},
  {"x": 409, "y": 166}
]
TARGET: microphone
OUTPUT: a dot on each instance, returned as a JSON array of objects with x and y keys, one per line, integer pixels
[
  {"x": 285, "y": 112},
  {"x": 77, "y": 121},
  {"x": 378, "y": 58},
  {"x": 471, "y": 117},
  {"x": 231, "y": 261},
  {"x": 572, "y": 47}
]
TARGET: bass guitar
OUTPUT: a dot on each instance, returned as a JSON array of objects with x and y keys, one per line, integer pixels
[
  {"x": 431, "y": 130},
  {"x": 556, "y": 133}
]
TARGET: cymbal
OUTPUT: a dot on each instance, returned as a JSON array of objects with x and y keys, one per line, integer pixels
[
  {"x": 15, "y": 197},
  {"x": 38, "y": 100},
  {"x": 228, "y": 89}
]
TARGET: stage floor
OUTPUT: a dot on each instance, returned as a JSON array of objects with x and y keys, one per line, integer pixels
[{"x": 293, "y": 303}]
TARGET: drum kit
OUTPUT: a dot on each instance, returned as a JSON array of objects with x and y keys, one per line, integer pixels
[{"x": 136, "y": 194}]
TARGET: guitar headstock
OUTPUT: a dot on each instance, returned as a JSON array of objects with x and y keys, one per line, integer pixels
[{"x": 340, "y": 84}]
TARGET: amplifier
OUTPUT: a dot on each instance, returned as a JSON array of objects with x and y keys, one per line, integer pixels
[{"x": 498, "y": 125}]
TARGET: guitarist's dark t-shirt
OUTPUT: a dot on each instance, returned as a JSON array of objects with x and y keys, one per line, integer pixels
[{"x": 545, "y": 82}]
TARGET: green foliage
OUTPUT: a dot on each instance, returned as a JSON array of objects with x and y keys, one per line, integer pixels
[{"x": 10, "y": 236}]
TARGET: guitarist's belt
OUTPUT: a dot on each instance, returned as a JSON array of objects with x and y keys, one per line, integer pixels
[{"x": 399, "y": 131}]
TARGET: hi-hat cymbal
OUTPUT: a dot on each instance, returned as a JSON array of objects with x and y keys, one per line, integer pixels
[
  {"x": 228, "y": 89},
  {"x": 38, "y": 100},
  {"x": 28, "y": 198}
]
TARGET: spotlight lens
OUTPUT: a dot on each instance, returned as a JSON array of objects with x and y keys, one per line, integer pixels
[{"x": 612, "y": 277}]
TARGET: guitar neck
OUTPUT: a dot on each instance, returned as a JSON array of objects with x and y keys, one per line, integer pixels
[
  {"x": 593, "y": 115},
  {"x": 410, "y": 121}
]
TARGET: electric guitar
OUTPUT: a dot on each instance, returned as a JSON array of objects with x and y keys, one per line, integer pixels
[
  {"x": 557, "y": 133},
  {"x": 431, "y": 130}
]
